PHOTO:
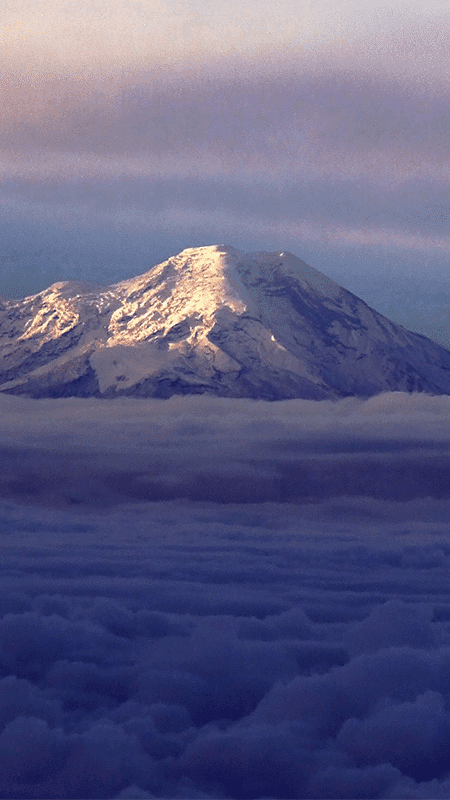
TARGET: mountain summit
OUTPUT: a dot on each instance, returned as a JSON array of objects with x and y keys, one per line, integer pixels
[{"x": 212, "y": 320}]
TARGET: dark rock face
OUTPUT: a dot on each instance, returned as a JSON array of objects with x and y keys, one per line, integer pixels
[{"x": 217, "y": 321}]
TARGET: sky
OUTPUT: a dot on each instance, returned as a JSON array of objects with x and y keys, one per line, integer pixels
[
  {"x": 132, "y": 130},
  {"x": 270, "y": 623}
]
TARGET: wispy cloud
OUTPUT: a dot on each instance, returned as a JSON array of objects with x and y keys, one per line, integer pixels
[{"x": 350, "y": 161}]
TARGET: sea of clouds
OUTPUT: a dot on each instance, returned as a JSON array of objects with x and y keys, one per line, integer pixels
[{"x": 213, "y": 598}]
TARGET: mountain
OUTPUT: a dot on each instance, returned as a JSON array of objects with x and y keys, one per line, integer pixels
[{"x": 215, "y": 320}]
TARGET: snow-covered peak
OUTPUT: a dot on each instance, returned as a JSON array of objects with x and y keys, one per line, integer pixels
[
  {"x": 212, "y": 319},
  {"x": 200, "y": 278},
  {"x": 200, "y": 281}
]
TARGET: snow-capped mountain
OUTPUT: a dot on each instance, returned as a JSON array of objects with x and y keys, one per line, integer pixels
[{"x": 212, "y": 319}]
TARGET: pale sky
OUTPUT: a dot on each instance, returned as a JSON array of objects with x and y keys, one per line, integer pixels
[{"x": 134, "y": 129}]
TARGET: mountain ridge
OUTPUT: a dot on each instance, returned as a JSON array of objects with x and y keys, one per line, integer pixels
[{"x": 212, "y": 320}]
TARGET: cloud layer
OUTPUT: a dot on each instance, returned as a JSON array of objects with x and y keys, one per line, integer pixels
[
  {"x": 394, "y": 447},
  {"x": 245, "y": 648}
]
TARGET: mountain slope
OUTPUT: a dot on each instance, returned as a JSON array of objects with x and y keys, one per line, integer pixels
[{"x": 212, "y": 319}]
